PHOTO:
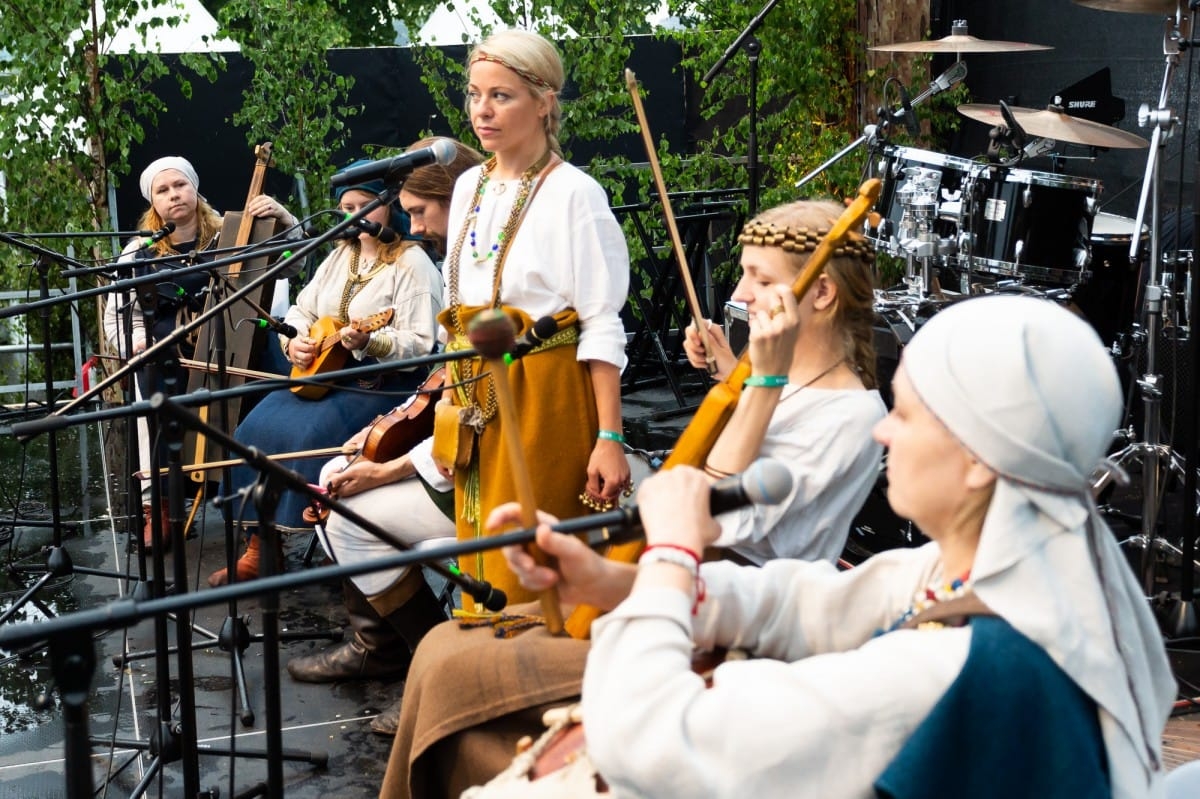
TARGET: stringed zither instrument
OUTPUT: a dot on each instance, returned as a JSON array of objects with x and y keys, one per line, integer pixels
[
  {"x": 331, "y": 355},
  {"x": 705, "y": 428},
  {"x": 243, "y": 343}
]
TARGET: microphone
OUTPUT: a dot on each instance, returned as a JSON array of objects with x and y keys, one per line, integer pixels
[
  {"x": 1019, "y": 137},
  {"x": 382, "y": 232},
  {"x": 391, "y": 170},
  {"x": 282, "y": 328},
  {"x": 534, "y": 337},
  {"x": 166, "y": 230},
  {"x": 765, "y": 482},
  {"x": 909, "y": 115},
  {"x": 949, "y": 78}
]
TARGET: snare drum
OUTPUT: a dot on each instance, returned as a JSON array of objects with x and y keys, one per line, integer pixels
[
  {"x": 1108, "y": 300},
  {"x": 920, "y": 200},
  {"x": 1028, "y": 224}
]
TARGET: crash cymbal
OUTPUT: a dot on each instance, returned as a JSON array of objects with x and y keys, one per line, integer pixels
[
  {"x": 1162, "y": 7},
  {"x": 959, "y": 41},
  {"x": 1054, "y": 123},
  {"x": 959, "y": 44}
]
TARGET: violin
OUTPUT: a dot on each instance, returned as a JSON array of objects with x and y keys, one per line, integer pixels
[
  {"x": 331, "y": 356},
  {"x": 403, "y": 427}
]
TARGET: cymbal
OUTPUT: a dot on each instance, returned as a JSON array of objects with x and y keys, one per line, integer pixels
[
  {"x": 1161, "y": 7},
  {"x": 1054, "y": 123},
  {"x": 959, "y": 43}
]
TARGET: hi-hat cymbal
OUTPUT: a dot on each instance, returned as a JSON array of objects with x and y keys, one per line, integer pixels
[
  {"x": 1054, "y": 123},
  {"x": 956, "y": 43},
  {"x": 1163, "y": 7}
]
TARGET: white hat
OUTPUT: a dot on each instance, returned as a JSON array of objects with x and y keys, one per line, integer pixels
[{"x": 178, "y": 163}]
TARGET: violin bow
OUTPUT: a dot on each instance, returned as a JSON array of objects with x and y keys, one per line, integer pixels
[{"x": 685, "y": 273}]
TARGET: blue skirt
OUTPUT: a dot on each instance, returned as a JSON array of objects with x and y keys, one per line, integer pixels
[{"x": 284, "y": 422}]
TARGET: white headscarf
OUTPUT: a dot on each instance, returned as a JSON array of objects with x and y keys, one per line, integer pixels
[
  {"x": 178, "y": 163},
  {"x": 1029, "y": 389}
]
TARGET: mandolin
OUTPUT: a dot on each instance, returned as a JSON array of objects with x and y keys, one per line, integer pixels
[
  {"x": 331, "y": 355},
  {"x": 402, "y": 428}
]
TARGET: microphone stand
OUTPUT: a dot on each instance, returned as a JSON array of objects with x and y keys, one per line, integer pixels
[
  {"x": 753, "y": 51},
  {"x": 57, "y": 560},
  {"x": 874, "y": 135}
]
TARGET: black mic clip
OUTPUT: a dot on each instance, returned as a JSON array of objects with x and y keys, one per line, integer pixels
[
  {"x": 166, "y": 230},
  {"x": 273, "y": 324}
]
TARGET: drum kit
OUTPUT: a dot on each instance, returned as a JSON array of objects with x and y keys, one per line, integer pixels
[{"x": 990, "y": 224}]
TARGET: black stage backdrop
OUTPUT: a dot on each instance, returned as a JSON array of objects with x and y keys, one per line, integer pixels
[{"x": 396, "y": 109}]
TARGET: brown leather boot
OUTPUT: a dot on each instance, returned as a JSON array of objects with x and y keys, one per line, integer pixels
[
  {"x": 148, "y": 539},
  {"x": 374, "y": 651},
  {"x": 247, "y": 564},
  {"x": 411, "y": 618}
]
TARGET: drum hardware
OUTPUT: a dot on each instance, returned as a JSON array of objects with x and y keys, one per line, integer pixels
[
  {"x": 875, "y": 136},
  {"x": 959, "y": 42},
  {"x": 1155, "y": 456}
]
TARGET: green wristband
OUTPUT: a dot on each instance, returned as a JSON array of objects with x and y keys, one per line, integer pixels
[
  {"x": 609, "y": 435},
  {"x": 766, "y": 381}
]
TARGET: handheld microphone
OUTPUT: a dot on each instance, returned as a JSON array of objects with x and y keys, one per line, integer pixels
[
  {"x": 765, "y": 482},
  {"x": 949, "y": 78},
  {"x": 282, "y": 328},
  {"x": 906, "y": 111},
  {"x": 166, "y": 230},
  {"x": 391, "y": 170}
]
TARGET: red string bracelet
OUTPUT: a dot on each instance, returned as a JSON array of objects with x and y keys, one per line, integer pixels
[{"x": 680, "y": 556}]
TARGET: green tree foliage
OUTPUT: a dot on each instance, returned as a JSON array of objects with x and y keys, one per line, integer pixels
[
  {"x": 69, "y": 112},
  {"x": 293, "y": 97}
]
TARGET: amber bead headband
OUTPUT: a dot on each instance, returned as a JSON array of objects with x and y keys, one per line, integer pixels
[
  {"x": 802, "y": 239},
  {"x": 524, "y": 73}
]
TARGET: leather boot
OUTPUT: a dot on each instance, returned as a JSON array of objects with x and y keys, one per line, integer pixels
[
  {"x": 411, "y": 617},
  {"x": 247, "y": 564},
  {"x": 374, "y": 651},
  {"x": 148, "y": 539}
]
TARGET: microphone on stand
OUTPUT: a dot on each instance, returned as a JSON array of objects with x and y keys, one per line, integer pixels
[
  {"x": 1019, "y": 137},
  {"x": 382, "y": 232},
  {"x": 282, "y": 328},
  {"x": 390, "y": 170},
  {"x": 166, "y": 230},
  {"x": 534, "y": 337},
  {"x": 907, "y": 113}
]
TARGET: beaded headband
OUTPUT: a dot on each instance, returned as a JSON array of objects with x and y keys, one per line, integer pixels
[
  {"x": 526, "y": 74},
  {"x": 802, "y": 239}
]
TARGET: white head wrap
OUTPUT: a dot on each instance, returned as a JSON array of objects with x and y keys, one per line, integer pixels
[
  {"x": 178, "y": 163},
  {"x": 1029, "y": 389}
]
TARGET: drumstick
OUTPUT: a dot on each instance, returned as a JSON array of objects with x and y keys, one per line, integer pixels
[
  {"x": 491, "y": 334},
  {"x": 685, "y": 273}
]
